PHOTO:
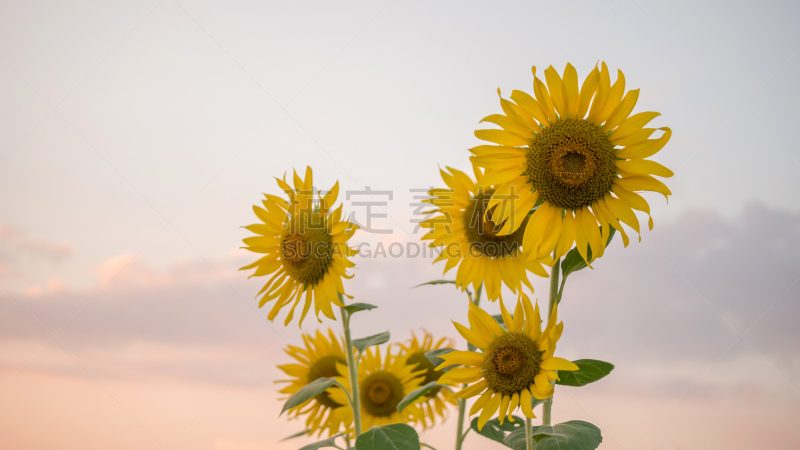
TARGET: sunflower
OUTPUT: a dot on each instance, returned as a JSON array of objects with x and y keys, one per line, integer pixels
[
  {"x": 515, "y": 364},
  {"x": 382, "y": 384},
  {"x": 317, "y": 359},
  {"x": 414, "y": 350},
  {"x": 305, "y": 249},
  {"x": 466, "y": 228},
  {"x": 582, "y": 169}
]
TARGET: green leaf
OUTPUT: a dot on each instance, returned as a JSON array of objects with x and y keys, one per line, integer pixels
[
  {"x": 309, "y": 391},
  {"x": 435, "y": 282},
  {"x": 415, "y": 394},
  {"x": 572, "y": 435},
  {"x": 376, "y": 339},
  {"x": 496, "y": 432},
  {"x": 590, "y": 371},
  {"x": 356, "y": 307},
  {"x": 296, "y": 435},
  {"x": 330, "y": 442},
  {"x": 398, "y": 436},
  {"x": 435, "y": 356},
  {"x": 574, "y": 262}
]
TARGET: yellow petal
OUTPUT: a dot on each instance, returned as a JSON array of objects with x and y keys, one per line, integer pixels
[
  {"x": 623, "y": 212},
  {"x": 602, "y": 208},
  {"x": 543, "y": 97},
  {"x": 519, "y": 317},
  {"x": 600, "y": 100},
  {"x": 572, "y": 98},
  {"x": 517, "y": 114},
  {"x": 525, "y": 402},
  {"x": 471, "y": 336},
  {"x": 530, "y": 106},
  {"x": 581, "y": 239},
  {"x": 465, "y": 358},
  {"x": 567, "y": 237},
  {"x": 554, "y": 86},
  {"x": 461, "y": 375},
  {"x": 635, "y": 201},
  {"x": 501, "y": 413},
  {"x": 485, "y": 319},
  {"x": 330, "y": 197},
  {"x": 638, "y": 137},
  {"x": 644, "y": 183},
  {"x": 482, "y": 400},
  {"x": 556, "y": 363},
  {"x": 502, "y": 137},
  {"x": 592, "y": 231},
  {"x": 631, "y": 125},
  {"x": 507, "y": 318},
  {"x": 588, "y": 90},
  {"x": 646, "y": 149},
  {"x": 533, "y": 321},
  {"x": 507, "y": 124},
  {"x": 472, "y": 391},
  {"x": 614, "y": 96},
  {"x": 489, "y": 409},
  {"x": 622, "y": 111},
  {"x": 542, "y": 383},
  {"x": 645, "y": 167}
]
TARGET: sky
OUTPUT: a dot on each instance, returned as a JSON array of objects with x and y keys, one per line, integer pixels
[{"x": 136, "y": 136}]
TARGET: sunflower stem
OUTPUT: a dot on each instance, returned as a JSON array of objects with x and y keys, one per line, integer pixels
[
  {"x": 554, "y": 274},
  {"x": 462, "y": 403},
  {"x": 352, "y": 368},
  {"x": 528, "y": 431}
]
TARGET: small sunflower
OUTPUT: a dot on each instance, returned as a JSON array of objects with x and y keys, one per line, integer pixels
[
  {"x": 414, "y": 350},
  {"x": 468, "y": 231},
  {"x": 317, "y": 359},
  {"x": 582, "y": 169},
  {"x": 382, "y": 384},
  {"x": 305, "y": 248},
  {"x": 515, "y": 364}
]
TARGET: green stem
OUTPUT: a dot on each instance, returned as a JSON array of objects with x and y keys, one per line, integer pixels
[
  {"x": 462, "y": 410},
  {"x": 554, "y": 274},
  {"x": 355, "y": 402},
  {"x": 528, "y": 439},
  {"x": 462, "y": 403}
]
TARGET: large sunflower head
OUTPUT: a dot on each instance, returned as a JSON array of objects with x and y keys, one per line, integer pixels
[
  {"x": 514, "y": 365},
  {"x": 467, "y": 230},
  {"x": 580, "y": 154},
  {"x": 382, "y": 384},
  {"x": 316, "y": 359},
  {"x": 305, "y": 250},
  {"x": 414, "y": 350}
]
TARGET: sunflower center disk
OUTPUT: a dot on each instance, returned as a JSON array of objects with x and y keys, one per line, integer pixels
[
  {"x": 325, "y": 367},
  {"x": 381, "y": 392},
  {"x": 512, "y": 362},
  {"x": 481, "y": 231},
  {"x": 307, "y": 248},
  {"x": 572, "y": 163},
  {"x": 431, "y": 374},
  {"x": 295, "y": 249}
]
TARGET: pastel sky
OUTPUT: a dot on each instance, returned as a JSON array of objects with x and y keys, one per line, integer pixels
[{"x": 135, "y": 136}]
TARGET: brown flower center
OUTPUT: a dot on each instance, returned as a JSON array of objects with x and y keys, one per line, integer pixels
[{"x": 571, "y": 163}]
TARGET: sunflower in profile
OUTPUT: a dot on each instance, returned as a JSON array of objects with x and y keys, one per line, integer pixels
[
  {"x": 579, "y": 154},
  {"x": 382, "y": 384},
  {"x": 414, "y": 350},
  {"x": 468, "y": 231},
  {"x": 305, "y": 250},
  {"x": 317, "y": 359},
  {"x": 515, "y": 364}
]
